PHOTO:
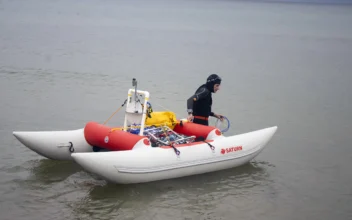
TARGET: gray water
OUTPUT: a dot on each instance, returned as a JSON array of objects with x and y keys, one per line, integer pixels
[{"x": 64, "y": 63}]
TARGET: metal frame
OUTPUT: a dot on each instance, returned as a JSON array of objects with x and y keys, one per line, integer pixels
[
  {"x": 134, "y": 113},
  {"x": 166, "y": 129}
]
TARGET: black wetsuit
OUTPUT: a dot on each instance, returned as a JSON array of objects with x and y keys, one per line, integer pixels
[{"x": 200, "y": 104}]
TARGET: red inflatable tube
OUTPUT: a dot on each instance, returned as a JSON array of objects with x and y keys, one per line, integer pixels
[
  {"x": 190, "y": 128},
  {"x": 101, "y": 136}
]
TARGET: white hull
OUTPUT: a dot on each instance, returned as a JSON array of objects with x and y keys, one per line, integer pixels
[
  {"x": 152, "y": 164},
  {"x": 54, "y": 144}
]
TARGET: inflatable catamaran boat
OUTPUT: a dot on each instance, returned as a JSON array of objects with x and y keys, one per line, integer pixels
[{"x": 149, "y": 146}]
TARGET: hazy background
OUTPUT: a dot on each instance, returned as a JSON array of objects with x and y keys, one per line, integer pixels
[{"x": 64, "y": 63}]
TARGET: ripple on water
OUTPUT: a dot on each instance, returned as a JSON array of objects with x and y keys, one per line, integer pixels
[{"x": 195, "y": 196}]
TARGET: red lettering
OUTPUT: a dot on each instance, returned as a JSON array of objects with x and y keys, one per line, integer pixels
[{"x": 231, "y": 149}]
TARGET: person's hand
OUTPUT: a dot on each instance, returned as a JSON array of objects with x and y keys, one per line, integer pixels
[
  {"x": 190, "y": 117},
  {"x": 219, "y": 117}
]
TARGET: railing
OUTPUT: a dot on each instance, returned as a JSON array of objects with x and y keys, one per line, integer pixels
[{"x": 166, "y": 136}]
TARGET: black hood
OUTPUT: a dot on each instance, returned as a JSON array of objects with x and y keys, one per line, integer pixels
[{"x": 211, "y": 81}]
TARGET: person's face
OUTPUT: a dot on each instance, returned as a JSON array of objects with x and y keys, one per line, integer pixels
[{"x": 216, "y": 87}]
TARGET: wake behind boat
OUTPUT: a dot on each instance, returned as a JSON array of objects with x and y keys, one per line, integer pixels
[{"x": 149, "y": 146}]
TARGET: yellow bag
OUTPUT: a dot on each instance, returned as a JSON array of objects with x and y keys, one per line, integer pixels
[{"x": 166, "y": 118}]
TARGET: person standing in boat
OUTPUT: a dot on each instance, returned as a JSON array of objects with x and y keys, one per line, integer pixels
[{"x": 199, "y": 104}]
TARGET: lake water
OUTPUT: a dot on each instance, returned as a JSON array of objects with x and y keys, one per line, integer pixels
[{"x": 64, "y": 63}]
